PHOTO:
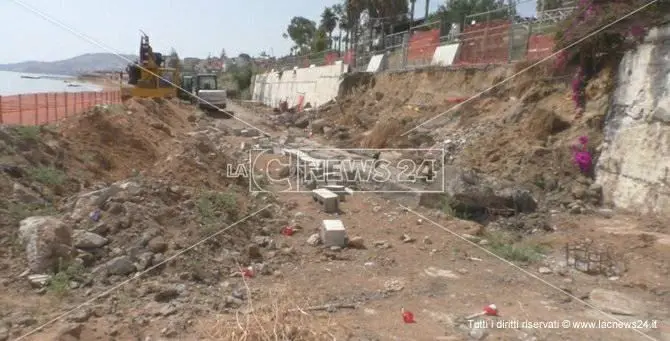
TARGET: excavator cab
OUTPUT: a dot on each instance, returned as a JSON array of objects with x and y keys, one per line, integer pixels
[
  {"x": 148, "y": 77},
  {"x": 187, "y": 86}
]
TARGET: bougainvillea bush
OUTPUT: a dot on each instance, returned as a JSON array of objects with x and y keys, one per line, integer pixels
[
  {"x": 582, "y": 157},
  {"x": 579, "y": 47},
  {"x": 592, "y": 15}
]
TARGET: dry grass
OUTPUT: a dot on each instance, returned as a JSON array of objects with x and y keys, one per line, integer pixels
[{"x": 269, "y": 316}]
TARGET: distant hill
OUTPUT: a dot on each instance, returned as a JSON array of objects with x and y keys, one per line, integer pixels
[{"x": 90, "y": 62}]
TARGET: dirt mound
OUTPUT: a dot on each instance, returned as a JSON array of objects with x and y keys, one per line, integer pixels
[
  {"x": 521, "y": 131},
  {"x": 117, "y": 141},
  {"x": 147, "y": 189}
]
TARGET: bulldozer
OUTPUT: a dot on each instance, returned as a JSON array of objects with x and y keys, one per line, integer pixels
[
  {"x": 203, "y": 90},
  {"x": 149, "y": 77}
]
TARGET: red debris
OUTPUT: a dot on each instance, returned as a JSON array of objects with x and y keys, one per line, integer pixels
[
  {"x": 491, "y": 310},
  {"x": 407, "y": 316},
  {"x": 288, "y": 231},
  {"x": 248, "y": 273}
]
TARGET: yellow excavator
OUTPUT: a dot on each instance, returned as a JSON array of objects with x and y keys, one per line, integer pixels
[{"x": 142, "y": 75}]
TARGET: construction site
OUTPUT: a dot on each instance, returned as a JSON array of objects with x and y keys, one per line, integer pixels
[{"x": 155, "y": 218}]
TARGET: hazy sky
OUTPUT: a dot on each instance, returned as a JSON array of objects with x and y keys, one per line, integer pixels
[{"x": 195, "y": 28}]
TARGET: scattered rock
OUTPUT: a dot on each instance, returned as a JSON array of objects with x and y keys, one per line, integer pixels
[
  {"x": 314, "y": 240},
  {"x": 356, "y": 243},
  {"x": 166, "y": 295},
  {"x": 157, "y": 245},
  {"x": 478, "y": 333},
  {"x": 407, "y": 239},
  {"x": 544, "y": 270},
  {"x": 121, "y": 266},
  {"x": 382, "y": 244},
  {"x": 88, "y": 240},
  {"x": 80, "y": 315},
  {"x": 39, "y": 281},
  {"x": 254, "y": 251}
]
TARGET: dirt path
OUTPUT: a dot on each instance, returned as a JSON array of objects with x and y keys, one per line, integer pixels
[{"x": 417, "y": 264}]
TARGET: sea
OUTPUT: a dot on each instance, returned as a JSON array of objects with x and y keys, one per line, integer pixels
[{"x": 11, "y": 83}]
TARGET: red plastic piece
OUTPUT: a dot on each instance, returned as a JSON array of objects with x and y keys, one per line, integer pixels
[
  {"x": 407, "y": 316},
  {"x": 491, "y": 310},
  {"x": 247, "y": 273},
  {"x": 288, "y": 231}
]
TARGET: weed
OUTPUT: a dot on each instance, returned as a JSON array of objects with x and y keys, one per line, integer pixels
[
  {"x": 20, "y": 211},
  {"x": 502, "y": 245},
  {"x": 59, "y": 284},
  {"x": 449, "y": 208},
  {"x": 28, "y": 133},
  {"x": 212, "y": 205},
  {"x": 47, "y": 175}
]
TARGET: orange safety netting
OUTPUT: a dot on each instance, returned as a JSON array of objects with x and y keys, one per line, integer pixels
[
  {"x": 485, "y": 43},
  {"x": 44, "y": 108},
  {"x": 422, "y": 45}
]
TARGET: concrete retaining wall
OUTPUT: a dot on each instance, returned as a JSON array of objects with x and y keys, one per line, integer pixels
[
  {"x": 634, "y": 166},
  {"x": 317, "y": 85}
]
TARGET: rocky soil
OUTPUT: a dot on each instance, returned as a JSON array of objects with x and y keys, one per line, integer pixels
[{"x": 118, "y": 227}]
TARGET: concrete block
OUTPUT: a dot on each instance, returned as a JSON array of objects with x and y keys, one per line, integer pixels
[
  {"x": 333, "y": 233},
  {"x": 340, "y": 190},
  {"x": 328, "y": 199}
]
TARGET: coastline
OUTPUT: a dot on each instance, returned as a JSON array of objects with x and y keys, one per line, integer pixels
[{"x": 104, "y": 82}]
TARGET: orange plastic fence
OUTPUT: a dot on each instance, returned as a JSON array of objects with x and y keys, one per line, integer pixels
[
  {"x": 349, "y": 57},
  {"x": 540, "y": 46},
  {"x": 35, "y": 109},
  {"x": 422, "y": 45},
  {"x": 485, "y": 43},
  {"x": 331, "y": 58}
]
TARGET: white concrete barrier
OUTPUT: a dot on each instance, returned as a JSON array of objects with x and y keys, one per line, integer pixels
[
  {"x": 376, "y": 63},
  {"x": 318, "y": 85},
  {"x": 445, "y": 55}
]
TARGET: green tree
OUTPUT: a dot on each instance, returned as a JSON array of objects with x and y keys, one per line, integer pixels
[
  {"x": 328, "y": 23},
  {"x": 301, "y": 31},
  {"x": 393, "y": 10},
  {"x": 343, "y": 24},
  {"x": 320, "y": 41},
  {"x": 455, "y": 11},
  {"x": 241, "y": 74},
  {"x": 547, "y": 5},
  {"x": 173, "y": 60}
]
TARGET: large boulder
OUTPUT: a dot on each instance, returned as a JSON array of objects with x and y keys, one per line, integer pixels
[
  {"x": 47, "y": 241},
  {"x": 469, "y": 192}
]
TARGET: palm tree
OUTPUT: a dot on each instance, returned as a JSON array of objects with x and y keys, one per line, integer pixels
[{"x": 328, "y": 23}]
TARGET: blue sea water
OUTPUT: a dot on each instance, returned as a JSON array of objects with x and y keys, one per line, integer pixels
[{"x": 11, "y": 83}]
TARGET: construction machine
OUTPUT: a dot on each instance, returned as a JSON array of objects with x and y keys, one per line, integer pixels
[
  {"x": 149, "y": 77},
  {"x": 204, "y": 92}
]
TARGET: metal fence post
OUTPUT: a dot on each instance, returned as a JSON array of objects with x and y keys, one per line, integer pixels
[
  {"x": 20, "y": 109},
  {"x": 512, "y": 12},
  {"x": 405, "y": 48},
  {"x": 47, "y": 96},
  {"x": 37, "y": 108},
  {"x": 1, "y": 120}
]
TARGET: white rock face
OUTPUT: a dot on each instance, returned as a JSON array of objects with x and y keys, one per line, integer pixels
[{"x": 634, "y": 167}]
